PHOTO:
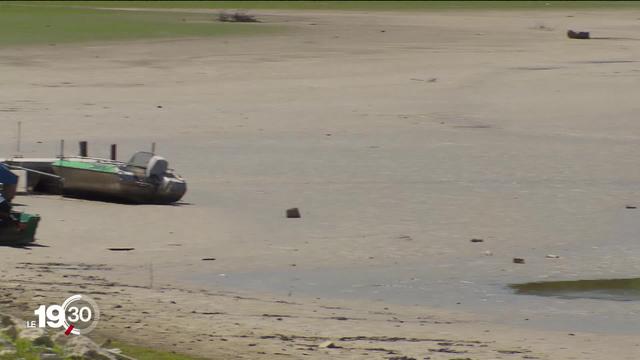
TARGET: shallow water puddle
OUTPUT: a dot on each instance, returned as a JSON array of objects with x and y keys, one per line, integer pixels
[{"x": 606, "y": 289}]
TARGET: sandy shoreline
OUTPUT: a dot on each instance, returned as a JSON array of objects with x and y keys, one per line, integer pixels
[
  {"x": 234, "y": 325},
  {"x": 400, "y": 136}
]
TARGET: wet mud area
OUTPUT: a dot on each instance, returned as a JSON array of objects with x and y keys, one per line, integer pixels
[{"x": 149, "y": 315}]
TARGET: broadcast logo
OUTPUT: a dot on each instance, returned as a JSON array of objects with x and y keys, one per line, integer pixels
[{"x": 77, "y": 315}]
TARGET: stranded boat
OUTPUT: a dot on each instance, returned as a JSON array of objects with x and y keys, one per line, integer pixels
[
  {"x": 22, "y": 229},
  {"x": 146, "y": 178},
  {"x": 22, "y": 232}
]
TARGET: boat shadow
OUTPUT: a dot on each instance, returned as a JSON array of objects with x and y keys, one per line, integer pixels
[
  {"x": 612, "y": 38},
  {"x": 121, "y": 201},
  {"x": 28, "y": 246}
]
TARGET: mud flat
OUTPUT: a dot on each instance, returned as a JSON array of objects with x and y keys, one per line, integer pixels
[{"x": 400, "y": 136}]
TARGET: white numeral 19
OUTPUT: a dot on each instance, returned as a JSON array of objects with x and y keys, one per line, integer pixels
[{"x": 54, "y": 315}]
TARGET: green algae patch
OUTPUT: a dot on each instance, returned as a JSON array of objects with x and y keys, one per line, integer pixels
[
  {"x": 604, "y": 289},
  {"x": 51, "y": 25}
]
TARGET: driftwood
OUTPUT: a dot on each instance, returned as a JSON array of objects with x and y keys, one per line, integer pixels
[{"x": 578, "y": 34}]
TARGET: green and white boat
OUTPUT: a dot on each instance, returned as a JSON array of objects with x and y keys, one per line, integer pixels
[{"x": 146, "y": 178}]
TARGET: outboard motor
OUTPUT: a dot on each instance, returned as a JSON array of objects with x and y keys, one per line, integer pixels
[{"x": 157, "y": 167}]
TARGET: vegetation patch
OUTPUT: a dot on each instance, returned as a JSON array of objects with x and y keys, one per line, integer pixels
[
  {"x": 353, "y": 5},
  {"x": 25, "y": 24},
  {"x": 141, "y": 353},
  {"x": 237, "y": 16},
  {"x": 20, "y": 343}
]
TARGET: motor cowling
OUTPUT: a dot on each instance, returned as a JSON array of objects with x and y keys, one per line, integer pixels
[{"x": 157, "y": 167}]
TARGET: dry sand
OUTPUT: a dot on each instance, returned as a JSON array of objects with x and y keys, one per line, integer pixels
[{"x": 400, "y": 136}]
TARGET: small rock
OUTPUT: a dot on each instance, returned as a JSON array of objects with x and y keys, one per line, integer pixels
[
  {"x": 327, "y": 345},
  {"x": 518, "y": 260},
  {"x": 293, "y": 213},
  {"x": 5, "y": 344},
  {"x": 81, "y": 347},
  {"x": 43, "y": 340},
  {"x": 7, "y": 321},
  {"x": 32, "y": 333},
  {"x": 10, "y": 353},
  {"x": 578, "y": 34},
  {"x": 11, "y": 332},
  {"x": 50, "y": 356}
]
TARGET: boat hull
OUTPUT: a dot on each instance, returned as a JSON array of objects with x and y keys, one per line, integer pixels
[
  {"x": 91, "y": 184},
  {"x": 22, "y": 235}
]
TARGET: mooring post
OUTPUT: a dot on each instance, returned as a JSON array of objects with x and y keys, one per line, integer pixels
[
  {"x": 83, "y": 149},
  {"x": 61, "y": 149},
  {"x": 114, "y": 152},
  {"x": 153, "y": 147},
  {"x": 19, "y": 136}
]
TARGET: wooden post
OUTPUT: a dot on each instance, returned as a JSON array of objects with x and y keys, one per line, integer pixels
[
  {"x": 62, "y": 148},
  {"x": 84, "y": 149},
  {"x": 114, "y": 152},
  {"x": 153, "y": 147},
  {"x": 19, "y": 136}
]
